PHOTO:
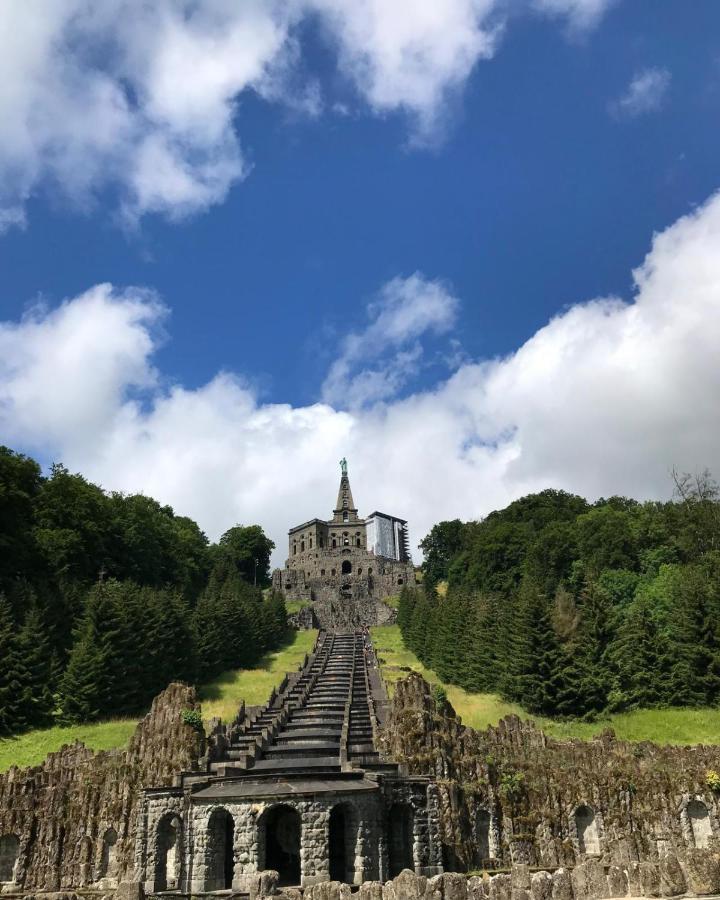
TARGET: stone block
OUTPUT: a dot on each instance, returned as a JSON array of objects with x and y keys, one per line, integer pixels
[
  {"x": 477, "y": 888},
  {"x": 370, "y": 890},
  {"x": 541, "y": 886},
  {"x": 520, "y": 876},
  {"x": 589, "y": 881},
  {"x": 500, "y": 887},
  {"x": 519, "y": 894},
  {"x": 702, "y": 872},
  {"x": 562, "y": 886},
  {"x": 408, "y": 886},
  {"x": 433, "y": 888},
  {"x": 454, "y": 886},
  {"x": 672, "y": 880},
  {"x": 617, "y": 881}
]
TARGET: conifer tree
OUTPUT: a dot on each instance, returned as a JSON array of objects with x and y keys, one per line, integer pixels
[
  {"x": 13, "y": 674},
  {"x": 639, "y": 658},
  {"x": 38, "y": 662}
]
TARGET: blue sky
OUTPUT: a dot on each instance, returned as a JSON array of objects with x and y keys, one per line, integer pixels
[{"x": 517, "y": 169}]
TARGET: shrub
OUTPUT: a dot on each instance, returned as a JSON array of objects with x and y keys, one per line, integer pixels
[
  {"x": 193, "y": 718},
  {"x": 712, "y": 780}
]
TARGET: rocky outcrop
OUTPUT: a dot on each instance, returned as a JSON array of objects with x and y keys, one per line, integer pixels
[
  {"x": 331, "y": 612},
  {"x": 511, "y": 795},
  {"x": 74, "y": 815}
]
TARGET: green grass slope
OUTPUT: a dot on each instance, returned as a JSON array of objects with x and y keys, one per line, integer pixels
[
  {"x": 664, "y": 726},
  {"x": 220, "y": 697}
]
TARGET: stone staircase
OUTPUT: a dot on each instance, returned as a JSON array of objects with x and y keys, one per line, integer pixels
[{"x": 321, "y": 724}]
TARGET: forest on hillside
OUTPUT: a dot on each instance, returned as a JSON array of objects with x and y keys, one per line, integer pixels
[
  {"x": 105, "y": 598},
  {"x": 573, "y": 608}
]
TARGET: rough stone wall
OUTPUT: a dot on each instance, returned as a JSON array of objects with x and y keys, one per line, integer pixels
[
  {"x": 588, "y": 881},
  {"x": 319, "y": 574},
  {"x": 200, "y": 864},
  {"x": 334, "y": 614},
  {"x": 67, "y": 811},
  {"x": 543, "y": 802}
]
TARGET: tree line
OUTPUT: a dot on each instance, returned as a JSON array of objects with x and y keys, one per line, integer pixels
[
  {"x": 573, "y": 608},
  {"x": 105, "y": 598}
]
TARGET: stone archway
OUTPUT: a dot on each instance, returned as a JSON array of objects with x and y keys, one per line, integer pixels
[
  {"x": 9, "y": 852},
  {"x": 279, "y": 839},
  {"x": 168, "y": 853},
  {"x": 587, "y": 830},
  {"x": 220, "y": 850},
  {"x": 108, "y": 865},
  {"x": 699, "y": 819},
  {"x": 482, "y": 835},
  {"x": 346, "y": 567},
  {"x": 342, "y": 842},
  {"x": 400, "y": 838}
]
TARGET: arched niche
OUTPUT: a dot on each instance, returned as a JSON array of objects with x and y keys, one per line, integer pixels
[
  {"x": 587, "y": 830},
  {"x": 108, "y": 856},
  {"x": 168, "y": 853},
  {"x": 482, "y": 835},
  {"x": 342, "y": 843},
  {"x": 400, "y": 838},
  {"x": 279, "y": 834},
  {"x": 699, "y": 820},
  {"x": 220, "y": 850},
  {"x": 346, "y": 567},
  {"x": 9, "y": 853}
]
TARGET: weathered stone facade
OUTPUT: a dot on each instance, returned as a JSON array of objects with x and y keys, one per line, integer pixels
[
  {"x": 345, "y": 566},
  {"x": 70, "y": 822},
  {"x": 297, "y": 787},
  {"x": 210, "y": 861},
  {"x": 640, "y": 815}
]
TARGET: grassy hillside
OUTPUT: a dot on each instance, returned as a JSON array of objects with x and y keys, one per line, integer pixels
[
  {"x": 664, "y": 726},
  {"x": 220, "y": 697}
]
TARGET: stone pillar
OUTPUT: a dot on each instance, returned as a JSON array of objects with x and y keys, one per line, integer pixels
[
  {"x": 314, "y": 847},
  {"x": 435, "y": 862},
  {"x": 246, "y": 840}
]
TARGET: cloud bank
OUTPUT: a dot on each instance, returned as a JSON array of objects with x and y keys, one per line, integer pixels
[
  {"x": 144, "y": 100},
  {"x": 604, "y": 399}
]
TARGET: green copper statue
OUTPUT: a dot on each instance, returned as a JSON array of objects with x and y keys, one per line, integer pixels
[{"x": 343, "y": 466}]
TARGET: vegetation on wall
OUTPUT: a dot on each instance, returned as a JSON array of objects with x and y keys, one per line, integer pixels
[
  {"x": 105, "y": 598},
  {"x": 571, "y": 608}
]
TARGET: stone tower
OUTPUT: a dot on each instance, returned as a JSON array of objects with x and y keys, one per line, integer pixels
[{"x": 345, "y": 566}]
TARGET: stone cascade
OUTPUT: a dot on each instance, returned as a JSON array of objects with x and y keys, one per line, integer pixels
[
  {"x": 322, "y": 722},
  {"x": 298, "y": 787}
]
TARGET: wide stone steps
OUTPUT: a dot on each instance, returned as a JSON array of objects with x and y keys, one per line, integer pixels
[{"x": 305, "y": 727}]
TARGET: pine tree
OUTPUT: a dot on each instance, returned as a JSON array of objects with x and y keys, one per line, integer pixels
[
  {"x": 34, "y": 649},
  {"x": 639, "y": 656},
  {"x": 82, "y": 689},
  {"x": 13, "y": 674}
]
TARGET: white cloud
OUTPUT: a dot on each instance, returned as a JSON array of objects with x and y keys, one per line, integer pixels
[
  {"x": 581, "y": 14},
  {"x": 374, "y": 364},
  {"x": 604, "y": 399},
  {"x": 644, "y": 94},
  {"x": 144, "y": 99}
]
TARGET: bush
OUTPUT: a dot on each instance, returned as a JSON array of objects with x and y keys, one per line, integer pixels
[
  {"x": 712, "y": 780},
  {"x": 193, "y": 718},
  {"x": 439, "y": 695}
]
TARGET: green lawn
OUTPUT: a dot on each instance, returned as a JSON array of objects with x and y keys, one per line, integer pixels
[
  {"x": 664, "y": 726},
  {"x": 294, "y": 606},
  {"x": 31, "y": 748},
  {"x": 219, "y": 698},
  {"x": 222, "y": 696}
]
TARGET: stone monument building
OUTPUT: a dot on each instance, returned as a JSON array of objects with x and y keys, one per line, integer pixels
[{"x": 345, "y": 566}]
